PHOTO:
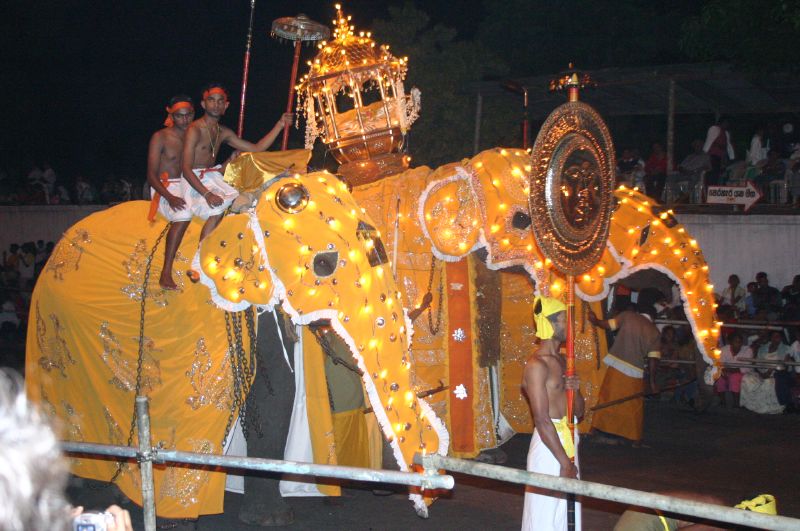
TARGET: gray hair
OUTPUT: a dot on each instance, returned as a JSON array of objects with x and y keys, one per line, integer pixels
[{"x": 33, "y": 472}]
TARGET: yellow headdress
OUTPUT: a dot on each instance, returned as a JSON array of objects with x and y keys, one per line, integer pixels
[
  {"x": 763, "y": 503},
  {"x": 543, "y": 307}
]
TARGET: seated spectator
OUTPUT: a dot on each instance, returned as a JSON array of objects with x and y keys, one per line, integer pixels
[
  {"x": 8, "y": 316},
  {"x": 692, "y": 167},
  {"x": 791, "y": 300},
  {"x": 677, "y": 374},
  {"x": 734, "y": 295},
  {"x": 757, "y": 154},
  {"x": 630, "y": 168},
  {"x": 85, "y": 193},
  {"x": 655, "y": 170},
  {"x": 758, "y": 391},
  {"x": 11, "y": 265},
  {"x": 727, "y": 314},
  {"x": 750, "y": 301},
  {"x": 766, "y": 298},
  {"x": 729, "y": 384},
  {"x": 27, "y": 264},
  {"x": 774, "y": 169}
]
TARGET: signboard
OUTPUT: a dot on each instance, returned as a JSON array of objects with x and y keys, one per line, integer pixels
[{"x": 747, "y": 195}]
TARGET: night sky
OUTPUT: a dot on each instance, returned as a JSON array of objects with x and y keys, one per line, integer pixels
[{"x": 86, "y": 83}]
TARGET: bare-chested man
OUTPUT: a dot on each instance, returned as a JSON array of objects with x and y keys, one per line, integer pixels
[
  {"x": 164, "y": 176},
  {"x": 552, "y": 447},
  {"x": 205, "y": 193}
]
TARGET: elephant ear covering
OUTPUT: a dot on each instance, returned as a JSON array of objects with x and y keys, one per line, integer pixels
[
  {"x": 235, "y": 265},
  {"x": 449, "y": 214}
]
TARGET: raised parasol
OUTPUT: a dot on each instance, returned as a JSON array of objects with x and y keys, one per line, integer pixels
[
  {"x": 298, "y": 29},
  {"x": 571, "y": 195}
]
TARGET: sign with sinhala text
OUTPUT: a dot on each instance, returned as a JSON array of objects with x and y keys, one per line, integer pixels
[{"x": 747, "y": 195}]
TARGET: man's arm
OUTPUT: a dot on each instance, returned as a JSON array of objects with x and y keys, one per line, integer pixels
[
  {"x": 599, "y": 322},
  {"x": 187, "y": 164},
  {"x": 153, "y": 163},
  {"x": 243, "y": 145},
  {"x": 535, "y": 378}
]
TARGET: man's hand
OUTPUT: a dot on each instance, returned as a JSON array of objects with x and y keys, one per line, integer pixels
[
  {"x": 175, "y": 202},
  {"x": 572, "y": 383},
  {"x": 286, "y": 119},
  {"x": 212, "y": 199},
  {"x": 592, "y": 318},
  {"x": 569, "y": 470}
]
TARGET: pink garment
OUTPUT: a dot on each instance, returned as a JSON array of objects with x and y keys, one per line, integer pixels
[{"x": 729, "y": 382}]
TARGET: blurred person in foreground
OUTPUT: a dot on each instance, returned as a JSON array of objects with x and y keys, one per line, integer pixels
[{"x": 33, "y": 472}]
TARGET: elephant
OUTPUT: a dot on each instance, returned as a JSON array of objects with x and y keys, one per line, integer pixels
[
  {"x": 449, "y": 228},
  {"x": 104, "y": 331}
]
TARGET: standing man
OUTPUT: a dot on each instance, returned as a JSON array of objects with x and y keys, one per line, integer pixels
[
  {"x": 552, "y": 449},
  {"x": 164, "y": 176},
  {"x": 720, "y": 150},
  {"x": 637, "y": 339},
  {"x": 203, "y": 141}
]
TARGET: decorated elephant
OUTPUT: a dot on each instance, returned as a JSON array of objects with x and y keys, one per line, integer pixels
[
  {"x": 448, "y": 229},
  {"x": 456, "y": 235},
  {"x": 102, "y": 331}
]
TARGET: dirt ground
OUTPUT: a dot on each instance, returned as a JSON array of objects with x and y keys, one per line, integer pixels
[{"x": 729, "y": 453}]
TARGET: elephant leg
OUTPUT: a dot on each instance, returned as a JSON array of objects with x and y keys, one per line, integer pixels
[{"x": 272, "y": 396}]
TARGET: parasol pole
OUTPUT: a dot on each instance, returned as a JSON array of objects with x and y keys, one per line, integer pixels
[
  {"x": 296, "y": 29},
  {"x": 240, "y": 129},
  {"x": 290, "y": 103}
]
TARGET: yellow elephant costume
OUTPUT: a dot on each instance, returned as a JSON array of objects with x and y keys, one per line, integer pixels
[{"x": 84, "y": 339}]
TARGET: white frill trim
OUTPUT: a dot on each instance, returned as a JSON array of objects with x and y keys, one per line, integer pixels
[
  {"x": 626, "y": 269},
  {"x": 625, "y": 368},
  {"x": 278, "y": 289},
  {"x": 279, "y": 296}
]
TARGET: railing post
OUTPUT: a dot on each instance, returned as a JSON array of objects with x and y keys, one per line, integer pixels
[{"x": 146, "y": 463}]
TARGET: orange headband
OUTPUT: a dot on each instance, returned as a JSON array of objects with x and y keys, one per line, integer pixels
[
  {"x": 215, "y": 90},
  {"x": 169, "y": 122}
]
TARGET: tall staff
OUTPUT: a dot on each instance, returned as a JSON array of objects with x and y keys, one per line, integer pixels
[
  {"x": 240, "y": 129},
  {"x": 297, "y": 29},
  {"x": 571, "y": 186}
]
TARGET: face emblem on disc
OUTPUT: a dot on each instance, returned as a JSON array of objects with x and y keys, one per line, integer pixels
[{"x": 572, "y": 180}]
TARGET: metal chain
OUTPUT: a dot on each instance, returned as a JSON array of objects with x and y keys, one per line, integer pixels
[
  {"x": 435, "y": 329},
  {"x": 140, "y": 356}
]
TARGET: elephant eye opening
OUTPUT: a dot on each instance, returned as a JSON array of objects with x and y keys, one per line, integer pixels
[
  {"x": 376, "y": 252},
  {"x": 292, "y": 198},
  {"x": 325, "y": 263},
  {"x": 521, "y": 220}
]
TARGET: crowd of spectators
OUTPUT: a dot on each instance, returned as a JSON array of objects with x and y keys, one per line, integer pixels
[
  {"x": 769, "y": 385},
  {"x": 21, "y": 265},
  {"x": 771, "y": 162},
  {"x": 43, "y": 186},
  {"x": 759, "y": 344}
]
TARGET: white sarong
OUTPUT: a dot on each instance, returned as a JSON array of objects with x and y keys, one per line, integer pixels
[
  {"x": 212, "y": 179},
  {"x": 546, "y": 510},
  {"x": 196, "y": 205},
  {"x": 176, "y": 187}
]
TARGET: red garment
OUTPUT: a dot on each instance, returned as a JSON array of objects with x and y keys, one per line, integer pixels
[{"x": 656, "y": 165}]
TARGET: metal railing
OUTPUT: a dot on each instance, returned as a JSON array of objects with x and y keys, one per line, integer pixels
[
  {"x": 146, "y": 455},
  {"x": 601, "y": 491}
]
